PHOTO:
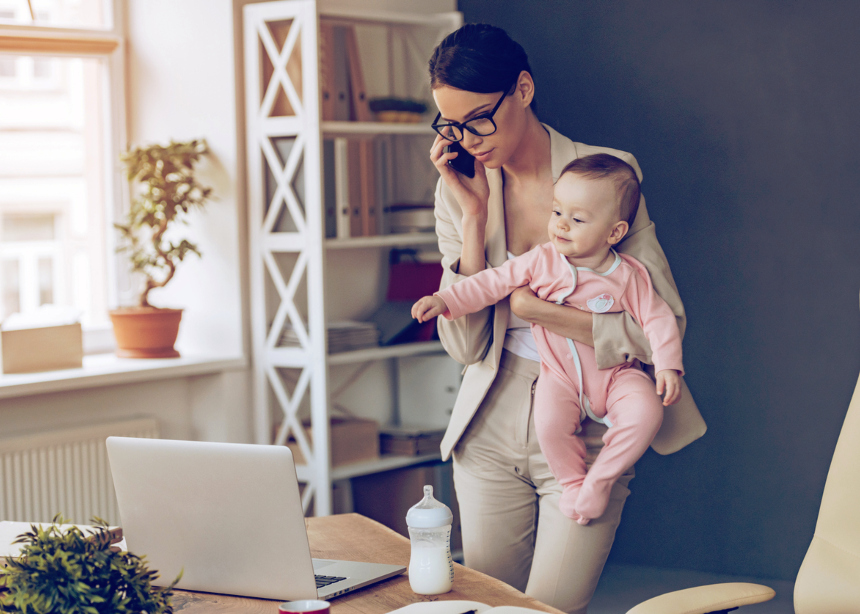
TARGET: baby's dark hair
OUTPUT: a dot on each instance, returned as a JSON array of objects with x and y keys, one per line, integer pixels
[
  {"x": 602, "y": 166},
  {"x": 478, "y": 58}
]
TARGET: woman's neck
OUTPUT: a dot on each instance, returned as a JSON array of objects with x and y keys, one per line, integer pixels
[{"x": 533, "y": 158}]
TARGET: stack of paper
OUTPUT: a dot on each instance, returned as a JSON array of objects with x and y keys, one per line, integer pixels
[{"x": 342, "y": 336}]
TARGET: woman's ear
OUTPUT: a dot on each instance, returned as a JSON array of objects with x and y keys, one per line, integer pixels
[
  {"x": 618, "y": 232},
  {"x": 525, "y": 88}
]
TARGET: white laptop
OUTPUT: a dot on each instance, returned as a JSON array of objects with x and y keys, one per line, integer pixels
[{"x": 229, "y": 516}]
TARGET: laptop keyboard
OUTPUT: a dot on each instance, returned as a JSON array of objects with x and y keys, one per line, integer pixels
[{"x": 326, "y": 580}]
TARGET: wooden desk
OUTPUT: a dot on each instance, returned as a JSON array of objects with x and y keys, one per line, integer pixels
[{"x": 354, "y": 537}]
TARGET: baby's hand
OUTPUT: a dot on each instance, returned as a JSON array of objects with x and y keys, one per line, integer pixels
[
  {"x": 669, "y": 381},
  {"x": 428, "y": 308}
]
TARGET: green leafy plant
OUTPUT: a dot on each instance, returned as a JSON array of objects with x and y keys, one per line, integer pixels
[
  {"x": 63, "y": 570},
  {"x": 166, "y": 190}
]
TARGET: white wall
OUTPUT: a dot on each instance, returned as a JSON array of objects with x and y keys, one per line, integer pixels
[
  {"x": 201, "y": 407},
  {"x": 181, "y": 85}
]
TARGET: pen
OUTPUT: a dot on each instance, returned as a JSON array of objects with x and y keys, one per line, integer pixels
[{"x": 469, "y": 612}]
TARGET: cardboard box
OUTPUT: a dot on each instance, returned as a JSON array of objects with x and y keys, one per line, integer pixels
[
  {"x": 10, "y": 530},
  {"x": 352, "y": 441},
  {"x": 410, "y": 440},
  {"x": 42, "y": 349},
  {"x": 386, "y": 497}
]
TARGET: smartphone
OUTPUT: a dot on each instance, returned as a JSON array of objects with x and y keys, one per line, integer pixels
[{"x": 464, "y": 163}]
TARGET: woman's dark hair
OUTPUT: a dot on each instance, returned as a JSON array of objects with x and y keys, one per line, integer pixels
[{"x": 478, "y": 58}]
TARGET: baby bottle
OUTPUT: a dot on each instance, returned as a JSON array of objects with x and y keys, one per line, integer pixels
[{"x": 431, "y": 570}]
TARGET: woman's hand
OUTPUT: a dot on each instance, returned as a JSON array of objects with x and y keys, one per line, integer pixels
[
  {"x": 568, "y": 322},
  {"x": 669, "y": 381},
  {"x": 472, "y": 194},
  {"x": 428, "y": 308},
  {"x": 522, "y": 303}
]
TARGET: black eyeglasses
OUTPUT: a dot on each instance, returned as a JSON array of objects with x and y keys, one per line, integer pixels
[{"x": 482, "y": 125}]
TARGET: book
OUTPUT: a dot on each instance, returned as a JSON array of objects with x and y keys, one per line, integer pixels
[
  {"x": 367, "y": 170},
  {"x": 409, "y": 281},
  {"x": 384, "y": 183},
  {"x": 327, "y": 69},
  {"x": 341, "y": 187},
  {"x": 343, "y": 336},
  {"x": 459, "y": 607},
  {"x": 360, "y": 110},
  {"x": 341, "y": 100},
  {"x": 329, "y": 189},
  {"x": 354, "y": 187},
  {"x": 395, "y": 322}
]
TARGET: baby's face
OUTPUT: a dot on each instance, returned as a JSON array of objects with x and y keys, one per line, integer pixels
[{"x": 584, "y": 212}]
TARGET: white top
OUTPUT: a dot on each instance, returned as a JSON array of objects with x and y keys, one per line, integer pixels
[{"x": 518, "y": 338}]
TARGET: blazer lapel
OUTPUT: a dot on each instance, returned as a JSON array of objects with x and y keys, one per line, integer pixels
[{"x": 562, "y": 151}]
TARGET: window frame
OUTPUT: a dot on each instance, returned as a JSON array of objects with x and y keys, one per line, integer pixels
[{"x": 107, "y": 44}]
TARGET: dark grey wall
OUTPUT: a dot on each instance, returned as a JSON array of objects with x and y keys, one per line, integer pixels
[{"x": 744, "y": 118}]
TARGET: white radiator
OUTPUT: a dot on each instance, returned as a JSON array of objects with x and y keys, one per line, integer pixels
[{"x": 67, "y": 472}]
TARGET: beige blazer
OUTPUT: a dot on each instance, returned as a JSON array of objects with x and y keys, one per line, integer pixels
[{"x": 476, "y": 340}]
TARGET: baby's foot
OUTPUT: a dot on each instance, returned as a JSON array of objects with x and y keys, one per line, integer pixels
[
  {"x": 567, "y": 503},
  {"x": 593, "y": 500}
]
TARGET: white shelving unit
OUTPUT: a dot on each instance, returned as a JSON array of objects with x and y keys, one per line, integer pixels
[
  {"x": 398, "y": 240},
  {"x": 374, "y": 128},
  {"x": 287, "y": 231}
]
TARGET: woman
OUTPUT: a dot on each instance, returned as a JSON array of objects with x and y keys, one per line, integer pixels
[{"x": 512, "y": 528}]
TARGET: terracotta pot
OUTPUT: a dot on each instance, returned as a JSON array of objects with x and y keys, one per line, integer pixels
[{"x": 145, "y": 332}]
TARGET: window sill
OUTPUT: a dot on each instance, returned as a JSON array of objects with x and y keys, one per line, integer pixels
[{"x": 108, "y": 370}]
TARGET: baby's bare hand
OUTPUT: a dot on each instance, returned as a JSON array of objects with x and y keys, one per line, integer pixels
[
  {"x": 428, "y": 308},
  {"x": 669, "y": 381}
]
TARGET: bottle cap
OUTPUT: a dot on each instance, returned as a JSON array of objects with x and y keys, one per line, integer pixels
[{"x": 429, "y": 513}]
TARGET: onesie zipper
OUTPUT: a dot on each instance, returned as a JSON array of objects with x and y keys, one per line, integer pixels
[{"x": 584, "y": 403}]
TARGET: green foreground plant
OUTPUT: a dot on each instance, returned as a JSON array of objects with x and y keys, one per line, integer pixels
[
  {"x": 63, "y": 570},
  {"x": 166, "y": 190}
]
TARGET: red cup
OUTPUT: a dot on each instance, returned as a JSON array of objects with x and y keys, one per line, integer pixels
[{"x": 305, "y": 606}]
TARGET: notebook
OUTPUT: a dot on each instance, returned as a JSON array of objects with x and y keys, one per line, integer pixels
[
  {"x": 461, "y": 607},
  {"x": 229, "y": 516}
]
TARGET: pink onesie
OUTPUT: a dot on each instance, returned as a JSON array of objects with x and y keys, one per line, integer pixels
[{"x": 623, "y": 397}]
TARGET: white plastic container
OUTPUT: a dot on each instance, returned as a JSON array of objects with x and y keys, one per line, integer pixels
[{"x": 431, "y": 570}]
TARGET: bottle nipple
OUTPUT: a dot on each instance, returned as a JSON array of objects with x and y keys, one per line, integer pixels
[{"x": 429, "y": 512}]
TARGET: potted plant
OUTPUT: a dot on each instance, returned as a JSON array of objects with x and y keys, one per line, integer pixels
[
  {"x": 164, "y": 190},
  {"x": 60, "y": 569}
]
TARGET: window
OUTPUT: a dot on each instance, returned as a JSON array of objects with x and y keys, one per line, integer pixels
[
  {"x": 60, "y": 130},
  {"x": 30, "y": 253},
  {"x": 65, "y": 13}
]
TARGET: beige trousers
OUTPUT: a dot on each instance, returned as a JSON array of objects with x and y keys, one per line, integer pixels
[{"x": 512, "y": 527}]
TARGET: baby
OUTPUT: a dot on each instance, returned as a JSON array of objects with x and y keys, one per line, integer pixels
[{"x": 594, "y": 202}]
